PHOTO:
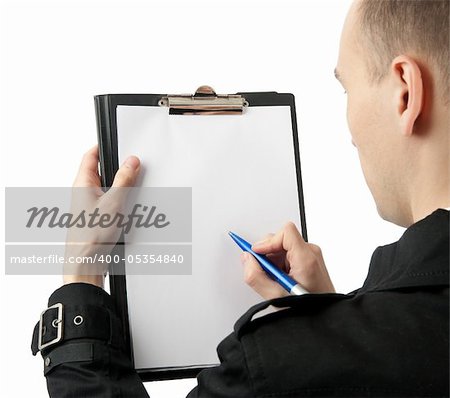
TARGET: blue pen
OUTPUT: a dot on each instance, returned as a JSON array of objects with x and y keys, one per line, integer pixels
[{"x": 281, "y": 277}]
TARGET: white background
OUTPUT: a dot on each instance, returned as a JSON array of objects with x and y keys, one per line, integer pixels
[{"x": 56, "y": 55}]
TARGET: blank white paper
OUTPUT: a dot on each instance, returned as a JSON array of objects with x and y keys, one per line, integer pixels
[{"x": 242, "y": 172}]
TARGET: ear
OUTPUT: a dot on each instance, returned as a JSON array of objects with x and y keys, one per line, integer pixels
[{"x": 409, "y": 94}]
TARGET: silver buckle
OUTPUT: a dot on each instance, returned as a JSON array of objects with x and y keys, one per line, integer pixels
[{"x": 57, "y": 323}]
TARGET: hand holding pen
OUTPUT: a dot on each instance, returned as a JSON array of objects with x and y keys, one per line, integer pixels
[{"x": 286, "y": 249}]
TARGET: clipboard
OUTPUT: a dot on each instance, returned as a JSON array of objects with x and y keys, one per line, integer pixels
[{"x": 205, "y": 107}]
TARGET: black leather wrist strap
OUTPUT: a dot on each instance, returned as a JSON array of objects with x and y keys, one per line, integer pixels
[
  {"x": 71, "y": 352},
  {"x": 61, "y": 323}
]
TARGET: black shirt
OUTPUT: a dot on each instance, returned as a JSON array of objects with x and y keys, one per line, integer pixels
[{"x": 388, "y": 338}]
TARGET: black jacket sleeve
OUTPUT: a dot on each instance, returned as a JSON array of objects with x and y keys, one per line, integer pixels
[
  {"x": 87, "y": 364},
  {"x": 99, "y": 367},
  {"x": 229, "y": 379}
]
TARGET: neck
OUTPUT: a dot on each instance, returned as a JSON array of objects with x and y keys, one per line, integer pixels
[
  {"x": 431, "y": 187},
  {"x": 430, "y": 200}
]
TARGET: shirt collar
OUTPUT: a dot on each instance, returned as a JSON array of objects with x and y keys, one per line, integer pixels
[{"x": 419, "y": 258}]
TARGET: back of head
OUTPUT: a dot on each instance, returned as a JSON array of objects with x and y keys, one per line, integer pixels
[
  {"x": 416, "y": 27},
  {"x": 394, "y": 65}
]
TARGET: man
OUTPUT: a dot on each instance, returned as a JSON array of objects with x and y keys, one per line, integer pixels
[{"x": 388, "y": 338}]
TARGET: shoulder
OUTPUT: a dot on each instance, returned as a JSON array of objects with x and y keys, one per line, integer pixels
[{"x": 335, "y": 341}]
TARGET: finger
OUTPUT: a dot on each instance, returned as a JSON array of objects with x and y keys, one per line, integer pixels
[
  {"x": 127, "y": 174},
  {"x": 263, "y": 242},
  {"x": 266, "y": 238},
  {"x": 285, "y": 239},
  {"x": 279, "y": 259},
  {"x": 88, "y": 171},
  {"x": 258, "y": 279}
]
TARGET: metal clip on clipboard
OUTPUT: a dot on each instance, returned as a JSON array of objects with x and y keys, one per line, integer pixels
[{"x": 205, "y": 101}]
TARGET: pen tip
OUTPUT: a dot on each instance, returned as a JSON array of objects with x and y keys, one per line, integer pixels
[{"x": 232, "y": 235}]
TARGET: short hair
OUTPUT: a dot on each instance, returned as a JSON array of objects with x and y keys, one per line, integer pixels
[{"x": 394, "y": 27}]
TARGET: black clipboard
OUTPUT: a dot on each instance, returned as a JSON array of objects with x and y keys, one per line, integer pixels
[{"x": 204, "y": 101}]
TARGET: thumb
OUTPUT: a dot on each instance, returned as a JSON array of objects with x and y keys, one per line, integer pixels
[
  {"x": 258, "y": 279},
  {"x": 127, "y": 174},
  {"x": 124, "y": 180}
]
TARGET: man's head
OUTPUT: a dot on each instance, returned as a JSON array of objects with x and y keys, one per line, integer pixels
[{"x": 394, "y": 66}]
